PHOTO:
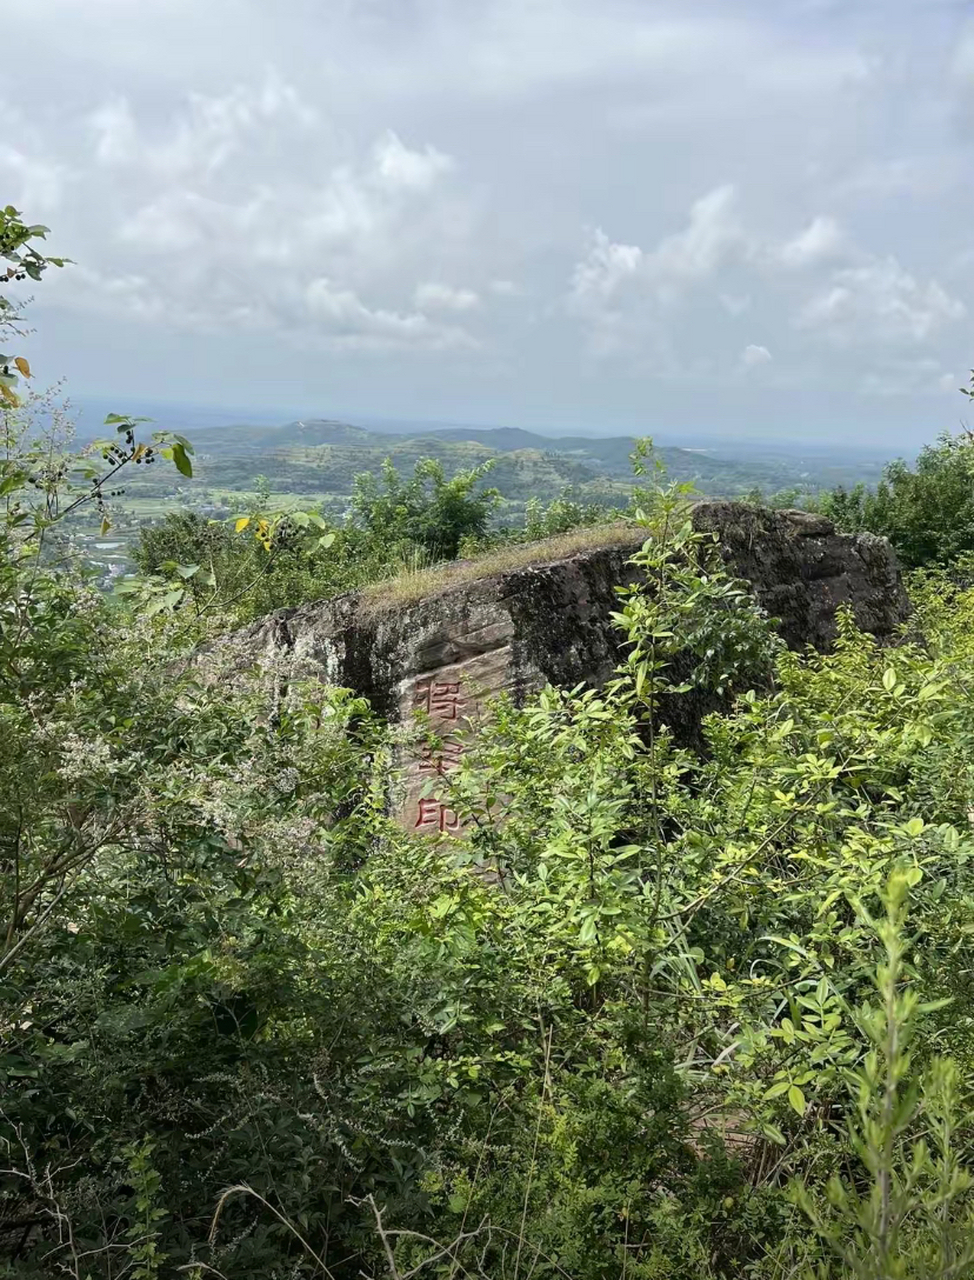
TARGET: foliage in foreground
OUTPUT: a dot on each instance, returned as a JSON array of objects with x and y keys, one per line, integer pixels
[
  {"x": 624, "y": 1057},
  {"x": 249, "y": 1027}
]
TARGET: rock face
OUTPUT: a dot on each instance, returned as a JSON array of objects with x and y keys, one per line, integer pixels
[
  {"x": 802, "y": 571},
  {"x": 517, "y": 628}
]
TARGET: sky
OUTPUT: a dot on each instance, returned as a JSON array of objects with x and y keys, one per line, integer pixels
[{"x": 739, "y": 217}]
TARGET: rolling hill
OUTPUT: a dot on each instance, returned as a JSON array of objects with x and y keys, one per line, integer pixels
[{"x": 319, "y": 459}]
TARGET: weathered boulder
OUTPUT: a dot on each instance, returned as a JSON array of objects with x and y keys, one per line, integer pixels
[
  {"x": 443, "y": 643},
  {"x": 802, "y": 571}
]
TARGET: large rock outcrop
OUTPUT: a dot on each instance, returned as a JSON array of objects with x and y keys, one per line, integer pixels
[
  {"x": 802, "y": 571},
  {"x": 443, "y": 646}
]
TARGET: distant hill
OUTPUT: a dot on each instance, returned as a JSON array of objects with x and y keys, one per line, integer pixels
[{"x": 318, "y": 459}]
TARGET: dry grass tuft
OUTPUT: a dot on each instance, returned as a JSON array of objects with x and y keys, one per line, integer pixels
[{"x": 410, "y": 586}]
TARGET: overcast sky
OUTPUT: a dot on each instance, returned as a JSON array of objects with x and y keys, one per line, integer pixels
[{"x": 739, "y": 217}]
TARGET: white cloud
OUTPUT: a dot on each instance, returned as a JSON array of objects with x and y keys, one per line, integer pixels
[
  {"x": 132, "y": 296},
  {"x": 926, "y": 176},
  {"x": 33, "y": 184},
  {"x": 754, "y": 355},
  {"x": 323, "y": 312},
  {"x": 711, "y": 237},
  {"x": 399, "y": 168},
  {"x": 903, "y": 376},
  {"x": 626, "y": 296},
  {"x": 962, "y": 65},
  {"x": 115, "y": 132},
  {"x": 347, "y": 322},
  {"x": 202, "y": 241},
  {"x": 598, "y": 276},
  {"x": 879, "y": 303},
  {"x": 465, "y": 147},
  {"x": 823, "y": 240},
  {"x": 180, "y": 220},
  {"x": 443, "y": 297},
  {"x": 206, "y": 133}
]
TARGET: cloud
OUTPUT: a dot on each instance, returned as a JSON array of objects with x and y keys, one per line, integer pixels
[
  {"x": 879, "y": 303},
  {"x": 962, "y": 63},
  {"x": 597, "y": 278},
  {"x": 31, "y": 183},
  {"x": 443, "y": 297},
  {"x": 711, "y": 237},
  {"x": 415, "y": 154},
  {"x": 636, "y": 302},
  {"x": 399, "y": 168},
  {"x": 904, "y": 376},
  {"x": 182, "y": 220},
  {"x": 347, "y": 322},
  {"x": 115, "y": 132},
  {"x": 205, "y": 135},
  {"x": 202, "y": 241},
  {"x": 823, "y": 240},
  {"x": 627, "y": 296},
  {"x": 754, "y": 355},
  {"x": 679, "y": 261}
]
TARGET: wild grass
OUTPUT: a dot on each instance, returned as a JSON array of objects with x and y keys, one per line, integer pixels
[{"x": 418, "y": 583}]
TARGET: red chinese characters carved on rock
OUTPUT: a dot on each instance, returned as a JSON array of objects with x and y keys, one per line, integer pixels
[
  {"x": 444, "y": 757},
  {"x": 443, "y": 702},
  {"x": 434, "y": 815},
  {"x": 440, "y": 699}
]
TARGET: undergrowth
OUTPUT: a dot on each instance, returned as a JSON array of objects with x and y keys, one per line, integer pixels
[{"x": 708, "y": 1014}]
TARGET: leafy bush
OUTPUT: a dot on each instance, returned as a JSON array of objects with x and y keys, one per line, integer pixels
[
  {"x": 249, "y": 1026},
  {"x": 927, "y": 511},
  {"x": 427, "y": 510}
]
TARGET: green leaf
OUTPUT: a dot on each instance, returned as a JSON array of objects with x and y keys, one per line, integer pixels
[
  {"x": 797, "y": 1099},
  {"x": 168, "y": 600},
  {"x": 773, "y": 1134},
  {"x": 113, "y": 418},
  {"x": 889, "y": 679},
  {"x": 181, "y": 458},
  {"x": 790, "y": 943}
]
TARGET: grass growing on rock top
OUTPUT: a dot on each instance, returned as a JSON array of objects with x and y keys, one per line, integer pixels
[{"x": 411, "y": 585}]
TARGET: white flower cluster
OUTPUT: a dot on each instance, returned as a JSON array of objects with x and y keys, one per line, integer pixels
[{"x": 81, "y": 757}]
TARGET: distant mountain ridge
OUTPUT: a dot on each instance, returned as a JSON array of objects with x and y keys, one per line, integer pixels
[{"x": 319, "y": 458}]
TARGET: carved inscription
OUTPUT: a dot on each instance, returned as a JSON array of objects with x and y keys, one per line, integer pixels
[
  {"x": 440, "y": 699},
  {"x": 449, "y": 703},
  {"x": 445, "y": 707}
]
